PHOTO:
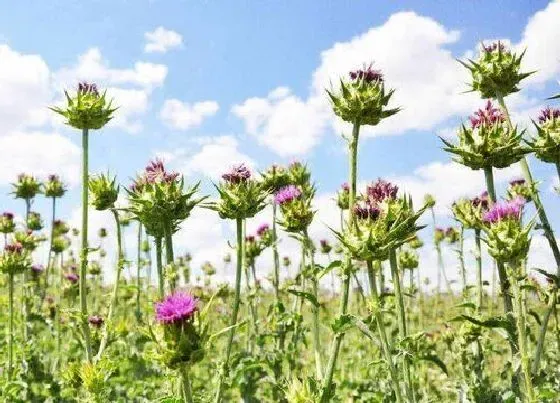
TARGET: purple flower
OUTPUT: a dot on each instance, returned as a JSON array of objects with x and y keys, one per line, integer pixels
[
  {"x": 487, "y": 116},
  {"x": 250, "y": 238},
  {"x": 324, "y": 243},
  {"x": 366, "y": 211},
  {"x": 15, "y": 247},
  {"x": 72, "y": 277},
  {"x": 517, "y": 182},
  {"x": 176, "y": 308},
  {"x": 88, "y": 88},
  {"x": 287, "y": 194},
  {"x": 37, "y": 269},
  {"x": 481, "y": 201},
  {"x": 493, "y": 47},
  {"x": 263, "y": 229},
  {"x": 368, "y": 74},
  {"x": 95, "y": 320},
  {"x": 548, "y": 114},
  {"x": 7, "y": 215},
  {"x": 345, "y": 187},
  {"x": 155, "y": 173},
  {"x": 239, "y": 173},
  {"x": 504, "y": 211},
  {"x": 381, "y": 190}
]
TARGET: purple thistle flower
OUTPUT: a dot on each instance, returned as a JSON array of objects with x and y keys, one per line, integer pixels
[
  {"x": 15, "y": 247},
  {"x": 368, "y": 74},
  {"x": 176, "y": 308},
  {"x": 72, "y": 277},
  {"x": 155, "y": 173},
  {"x": 88, "y": 88},
  {"x": 37, "y": 269},
  {"x": 250, "y": 238},
  {"x": 96, "y": 320},
  {"x": 324, "y": 243},
  {"x": 366, "y": 211},
  {"x": 548, "y": 114},
  {"x": 54, "y": 178},
  {"x": 287, "y": 194},
  {"x": 487, "y": 116},
  {"x": 517, "y": 182},
  {"x": 493, "y": 47},
  {"x": 7, "y": 215},
  {"x": 381, "y": 190},
  {"x": 504, "y": 211},
  {"x": 345, "y": 187},
  {"x": 239, "y": 173},
  {"x": 481, "y": 201},
  {"x": 262, "y": 229}
]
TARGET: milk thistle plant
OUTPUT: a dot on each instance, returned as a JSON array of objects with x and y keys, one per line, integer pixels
[
  {"x": 54, "y": 189},
  {"x": 241, "y": 197},
  {"x": 87, "y": 110},
  {"x": 361, "y": 100}
]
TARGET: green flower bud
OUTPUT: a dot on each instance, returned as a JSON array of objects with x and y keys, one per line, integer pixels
[
  {"x": 496, "y": 72},
  {"x": 88, "y": 109},
  {"x": 60, "y": 244},
  {"x": 227, "y": 258},
  {"x": 488, "y": 142},
  {"x": 208, "y": 269},
  {"x": 362, "y": 98},
  {"x": 104, "y": 191},
  {"x": 26, "y": 187},
  {"x": 520, "y": 189},
  {"x": 15, "y": 259},
  {"x": 94, "y": 268},
  {"x": 343, "y": 197},
  {"x": 28, "y": 240},
  {"x": 546, "y": 144},
  {"x": 7, "y": 223},
  {"x": 429, "y": 200},
  {"x": 102, "y": 233},
  {"x": 60, "y": 228},
  {"x": 275, "y": 178},
  {"x": 54, "y": 187},
  {"x": 439, "y": 235},
  {"x": 296, "y": 208},
  {"x": 452, "y": 235},
  {"x": 34, "y": 222},
  {"x": 408, "y": 259},
  {"x": 299, "y": 174}
]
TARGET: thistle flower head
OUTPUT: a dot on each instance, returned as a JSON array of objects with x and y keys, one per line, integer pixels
[
  {"x": 15, "y": 259},
  {"x": 439, "y": 235},
  {"x": 487, "y": 116},
  {"x": 73, "y": 278},
  {"x": 238, "y": 174},
  {"x": 275, "y": 178},
  {"x": 408, "y": 259},
  {"x": 496, "y": 72},
  {"x": 54, "y": 187},
  {"x": 287, "y": 194},
  {"x": 155, "y": 172},
  {"x": 60, "y": 228},
  {"x": 326, "y": 247},
  {"x": 506, "y": 210},
  {"x": 366, "y": 211},
  {"x": 286, "y": 261},
  {"x": 452, "y": 235},
  {"x": 7, "y": 223},
  {"x": 549, "y": 114},
  {"x": 546, "y": 143},
  {"x": 299, "y": 174},
  {"x": 381, "y": 190},
  {"x": 96, "y": 321},
  {"x": 519, "y": 188},
  {"x": 263, "y": 229},
  {"x": 482, "y": 201},
  {"x": 37, "y": 269},
  {"x": 176, "y": 308},
  {"x": 362, "y": 97},
  {"x": 88, "y": 109},
  {"x": 34, "y": 221},
  {"x": 343, "y": 196},
  {"x": 104, "y": 191},
  {"x": 26, "y": 187}
]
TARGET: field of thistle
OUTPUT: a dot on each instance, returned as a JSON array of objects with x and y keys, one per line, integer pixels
[{"x": 360, "y": 326}]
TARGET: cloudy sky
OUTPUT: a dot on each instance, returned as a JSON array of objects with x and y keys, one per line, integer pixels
[{"x": 208, "y": 84}]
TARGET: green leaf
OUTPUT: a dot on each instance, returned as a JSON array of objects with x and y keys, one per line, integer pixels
[{"x": 308, "y": 296}]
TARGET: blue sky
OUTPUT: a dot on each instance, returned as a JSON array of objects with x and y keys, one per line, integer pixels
[{"x": 215, "y": 66}]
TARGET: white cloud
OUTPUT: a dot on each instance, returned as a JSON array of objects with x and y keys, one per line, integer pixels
[
  {"x": 162, "y": 40},
  {"x": 540, "y": 38},
  {"x": 183, "y": 116},
  {"x": 39, "y": 154},
  {"x": 24, "y": 80},
  {"x": 284, "y": 123}
]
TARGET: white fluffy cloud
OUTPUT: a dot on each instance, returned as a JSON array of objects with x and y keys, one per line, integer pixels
[
  {"x": 540, "y": 38},
  {"x": 283, "y": 122},
  {"x": 24, "y": 80},
  {"x": 40, "y": 154},
  {"x": 182, "y": 116},
  {"x": 162, "y": 40}
]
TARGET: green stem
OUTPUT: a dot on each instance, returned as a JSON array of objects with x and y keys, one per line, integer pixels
[
  {"x": 401, "y": 320},
  {"x": 395, "y": 384},
  {"x": 84, "y": 247},
  {"x": 114, "y": 296},
  {"x": 315, "y": 312},
  {"x": 169, "y": 257},
  {"x": 24, "y": 291},
  {"x": 478, "y": 258},
  {"x": 159, "y": 266},
  {"x": 138, "y": 267},
  {"x": 10, "y": 325},
  {"x": 50, "y": 255},
  {"x": 59, "y": 314},
  {"x": 544, "y": 326},
  {"x": 462, "y": 260},
  {"x": 337, "y": 341},
  {"x": 521, "y": 307},
  {"x": 504, "y": 286},
  {"x": 275, "y": 255},
  {"x": 186, "y": 385},
  {"x": 233, "y": 323}
]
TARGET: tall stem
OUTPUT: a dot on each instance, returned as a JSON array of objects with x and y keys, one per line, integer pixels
[
  {"x": 50, "y": 255},
  {"x": 233, "y": 323},
  {"x": 159, "y": 265},
  {"x": 395, "y": 384},
  {"x": 114, "y": 297},
  {"x": 275, "y": 255},
  {"x": 169, "y": 257},
  {"x": 401, "y": 320},
  {"x": 25, "y": 279},
  {"x": 186, "y": 385},
  {"x": 10, "y": 325},
  {"x": 478, "y": 258},
  {"x": 504, "y": 286},
  {"x": 315, "y": 312},
  {"x": 84, "y": 246},
  {"x": 462, "y": 260},
  {"x": 335, "y": 348},
  {"x": 138, "y": 267}
]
